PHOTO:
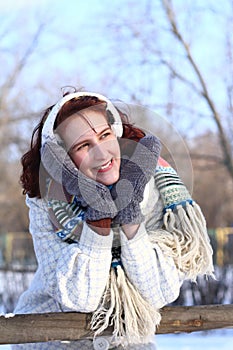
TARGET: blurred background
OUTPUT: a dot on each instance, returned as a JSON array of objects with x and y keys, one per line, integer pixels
[{"x": 173, "y": 57}]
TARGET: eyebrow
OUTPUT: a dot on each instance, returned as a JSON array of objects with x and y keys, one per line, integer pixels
[{"x": 88, "y": 139}]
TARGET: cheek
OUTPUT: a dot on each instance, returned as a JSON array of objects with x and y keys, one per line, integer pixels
[
  {"x": 79, "y": 160},
  {"x": 115, "y": 148}
]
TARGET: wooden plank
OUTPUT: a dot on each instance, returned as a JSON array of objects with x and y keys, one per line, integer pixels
[
  {"x": 73, "y": 326},
  {"x": 195, "y": 318}
]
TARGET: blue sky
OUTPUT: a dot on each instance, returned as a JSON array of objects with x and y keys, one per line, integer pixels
[
  {"x": 90, "y": 44},
  {"x": 86, "y": 43},
  {"x": 85, "y": 23}
]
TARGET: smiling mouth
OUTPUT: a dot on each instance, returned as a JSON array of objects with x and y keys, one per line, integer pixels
[{"x": 105, "y": 166}]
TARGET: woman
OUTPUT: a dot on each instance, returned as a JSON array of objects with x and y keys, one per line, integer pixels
[{"x": 115, "y": 231}]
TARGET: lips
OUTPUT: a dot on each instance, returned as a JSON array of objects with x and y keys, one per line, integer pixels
[{"x": 105, "y": 166}]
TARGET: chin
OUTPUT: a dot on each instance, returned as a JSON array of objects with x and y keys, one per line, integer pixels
[{"x": 109, "y": 180}]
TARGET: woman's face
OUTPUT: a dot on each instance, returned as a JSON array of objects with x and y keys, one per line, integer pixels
[{"x": 92, "y": 145}]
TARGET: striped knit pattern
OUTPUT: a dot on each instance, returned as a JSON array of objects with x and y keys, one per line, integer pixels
[
  {"x": 172, "y": 189},
  {"x": 69, "y": 216}
]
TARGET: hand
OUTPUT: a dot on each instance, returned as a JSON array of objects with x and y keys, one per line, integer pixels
[
  {"x": 93, "y": 195},
  {"x": 134, "y": 175}
]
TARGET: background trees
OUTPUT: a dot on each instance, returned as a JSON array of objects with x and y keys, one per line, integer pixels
[{"x": 175, "y": 57}]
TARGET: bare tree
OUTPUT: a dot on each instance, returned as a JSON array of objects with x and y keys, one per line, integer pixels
[
  {"x": 201, "y": 87},
  {"x": 21, "y": 53},
  {"x": 155, "y": 46},
  {"x": 13, "y": 215}
]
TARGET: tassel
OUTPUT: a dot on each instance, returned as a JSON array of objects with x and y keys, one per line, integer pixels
[
  {"x": 186, "y": 240},
  {"x": 133, "y": 319},
  {"x": 140, "y": 318},
  {"x": 197, "y": 219}
]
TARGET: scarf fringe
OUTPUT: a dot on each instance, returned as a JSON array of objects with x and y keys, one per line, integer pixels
[
  {"x": 187, "y": 240},
  {"x": 183, "y": 237},
  {"x": 133, "y": 319}
]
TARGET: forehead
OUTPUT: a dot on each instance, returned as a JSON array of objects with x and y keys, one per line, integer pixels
[{"x": 81, "y": 125}]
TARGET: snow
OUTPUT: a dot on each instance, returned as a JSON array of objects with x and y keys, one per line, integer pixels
[
  {"x": 7, "y": 315},
  {"x": 212, "y": 340}
]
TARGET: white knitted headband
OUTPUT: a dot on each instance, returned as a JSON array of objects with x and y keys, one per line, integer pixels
[{"x": 47, "y": 131}]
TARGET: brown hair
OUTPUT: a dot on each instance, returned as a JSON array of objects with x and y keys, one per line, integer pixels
[{"x": 31, "y": 160}]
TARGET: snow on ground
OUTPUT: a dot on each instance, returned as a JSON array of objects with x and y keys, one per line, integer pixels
[{"x": 214, "y": 340}]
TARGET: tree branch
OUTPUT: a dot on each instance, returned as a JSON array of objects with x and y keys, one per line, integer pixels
[
  {"x": 167, "y": 4},
  {"x": 10, "y": 81}
]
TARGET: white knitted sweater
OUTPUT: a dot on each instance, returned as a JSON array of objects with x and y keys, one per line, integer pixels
[{"x": 72, "y": 277}]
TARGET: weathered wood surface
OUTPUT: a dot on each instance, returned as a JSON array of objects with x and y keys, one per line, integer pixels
[{"x": 73, "y": 326}]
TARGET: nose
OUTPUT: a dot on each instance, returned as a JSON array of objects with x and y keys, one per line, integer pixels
[{"x": 100, "y": 151}]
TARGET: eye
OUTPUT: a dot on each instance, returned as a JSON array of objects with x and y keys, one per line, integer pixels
[
  {"x": 81, "y": 147},
  {"x": 106, "y": 134}
]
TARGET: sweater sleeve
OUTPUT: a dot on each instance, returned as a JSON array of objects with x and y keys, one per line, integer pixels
[
  {"x": 153, "y": 274},
  {"x": 161, "y": 256},
  {"x": 75, "y": 275}
]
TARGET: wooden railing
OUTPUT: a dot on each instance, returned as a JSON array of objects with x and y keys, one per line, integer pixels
[{"x": 34, "y": 328}]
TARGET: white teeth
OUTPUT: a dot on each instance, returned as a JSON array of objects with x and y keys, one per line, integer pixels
[{"x": 105, "y": 166}]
